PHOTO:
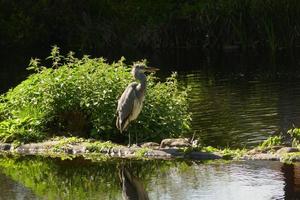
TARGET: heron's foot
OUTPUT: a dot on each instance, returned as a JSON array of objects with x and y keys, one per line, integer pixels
[{"x": 132, "y": 145}]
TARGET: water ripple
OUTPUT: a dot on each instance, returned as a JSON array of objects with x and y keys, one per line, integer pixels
[{"x": 241, "y": 112}]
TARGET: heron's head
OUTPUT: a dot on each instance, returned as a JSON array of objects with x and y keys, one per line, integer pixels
[{"x": 142, "y": 68}]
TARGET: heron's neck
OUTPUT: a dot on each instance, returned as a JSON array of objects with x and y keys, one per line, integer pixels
[{"x": 143, "y": 80}]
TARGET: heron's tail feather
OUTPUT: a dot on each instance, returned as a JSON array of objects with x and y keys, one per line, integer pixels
[{"x": 122, "y": 124}]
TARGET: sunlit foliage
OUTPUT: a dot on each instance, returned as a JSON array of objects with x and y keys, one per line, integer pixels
[{"x": 79, "y": 97}]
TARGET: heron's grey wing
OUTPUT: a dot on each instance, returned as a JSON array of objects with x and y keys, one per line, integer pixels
[{"x": 125, "y": 106}]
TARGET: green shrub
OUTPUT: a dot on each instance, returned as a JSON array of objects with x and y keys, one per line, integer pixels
[
  {"x": 271, "y": 141},
  {"x": 142, "y": 152},
  {"x": 79, "y": 97},
  {"x": 295, "y": 134},
  {"x": 25, "y": 129},
  {"x": 99, "y": 146}
]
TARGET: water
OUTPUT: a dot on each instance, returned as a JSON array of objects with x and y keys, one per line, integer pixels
[
  {"x": 241, "y": 111},
  {"x": 49, "y": 178}
]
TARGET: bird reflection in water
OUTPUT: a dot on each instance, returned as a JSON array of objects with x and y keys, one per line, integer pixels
[{"x": 132, "y": 187}]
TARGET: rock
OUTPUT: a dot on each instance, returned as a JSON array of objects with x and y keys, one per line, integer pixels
[
  {"x": 287, "y": 150},
  {"x": 254, "y": 151},
  {"x": 173, "y": 152},
  {"x": 264, "y": 150},
  {"x": 271, "y": 149},
  {"x": 159, "y": 154},
  {"x": 264, "y": 156},
  {"x": 78, "y": 149},
  {"x": 151, "y": 145},
  {"x": 134, "y": 146},
  {"x": 31, "y": 148},
  {"x": 175, "y": 142},
  {"x": 5, "y": 147}
]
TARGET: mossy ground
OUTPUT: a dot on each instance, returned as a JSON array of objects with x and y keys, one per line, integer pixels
[{"x": 69, "y": 147}]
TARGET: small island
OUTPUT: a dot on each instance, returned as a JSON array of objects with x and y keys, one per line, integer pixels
[
  {"x": 70, "y": 147},
  {"x": 69, "y": 109}
]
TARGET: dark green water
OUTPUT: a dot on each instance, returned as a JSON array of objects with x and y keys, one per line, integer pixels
[
  {"x": 46, "y": 178},
  {"x": 241, "y": 111}
]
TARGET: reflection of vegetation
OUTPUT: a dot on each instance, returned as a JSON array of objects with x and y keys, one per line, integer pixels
[
  {"x": 54, "y": 179},
  {"x": 79, "y": 178},
  {"x": 79, "y": 96}
]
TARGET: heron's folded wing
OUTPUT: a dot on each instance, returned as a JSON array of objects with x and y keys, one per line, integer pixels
[{"x": 126, "y": 102}]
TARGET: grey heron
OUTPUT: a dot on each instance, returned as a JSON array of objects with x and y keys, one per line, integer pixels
[{"x": 131, "y": 101}]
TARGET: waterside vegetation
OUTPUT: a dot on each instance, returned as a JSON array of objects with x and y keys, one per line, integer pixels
[{"x": 78, "y": 97}]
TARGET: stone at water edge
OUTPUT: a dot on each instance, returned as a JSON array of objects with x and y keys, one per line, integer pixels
[
  {"x": 258, "y": 150},
  {"x": 175, "y": 142},
  {"x": 151, "y": 145},
  {"x": 287, "y": 150}
]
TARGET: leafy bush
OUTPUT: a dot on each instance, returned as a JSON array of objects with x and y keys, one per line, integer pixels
[
  {"x": 25, "y": 129},
  {"x": 79, "y": 97},
  {"x": 294, "y": 133}
]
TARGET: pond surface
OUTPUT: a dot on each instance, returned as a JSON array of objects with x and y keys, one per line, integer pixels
[
  {"x": 241, "y": 111},
  {"x": 48, "y": 178},
  {"x": 240, "y": 101}
]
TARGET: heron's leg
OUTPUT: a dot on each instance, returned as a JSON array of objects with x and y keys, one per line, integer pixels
[
  {"x": 136, "y": 139},
  {"x": 135, "y": 132},
  {"x": 129, "y": 144}
]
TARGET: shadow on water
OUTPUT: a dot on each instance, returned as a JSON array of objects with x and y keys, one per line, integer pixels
[{"x": 29, "y": 177}]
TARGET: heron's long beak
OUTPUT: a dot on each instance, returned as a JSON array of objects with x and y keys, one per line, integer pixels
[{"x": 151, "y": 69}]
